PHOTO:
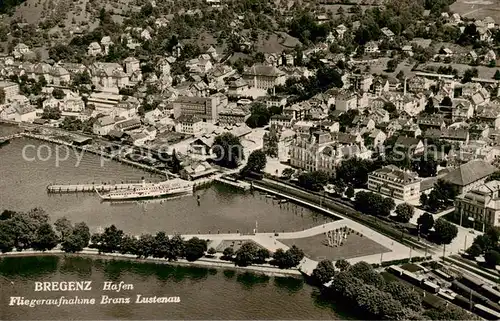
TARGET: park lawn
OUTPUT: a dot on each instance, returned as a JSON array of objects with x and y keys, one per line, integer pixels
[{"x": 355, "y": 245}]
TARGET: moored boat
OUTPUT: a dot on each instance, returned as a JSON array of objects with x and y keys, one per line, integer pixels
[{"x": 174, "y": 187}]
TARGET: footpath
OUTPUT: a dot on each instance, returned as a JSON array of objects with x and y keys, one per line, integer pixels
[{"x": 214, "y": 262}]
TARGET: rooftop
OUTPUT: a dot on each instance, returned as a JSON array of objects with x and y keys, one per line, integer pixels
[{"x": 470, "y": 172}]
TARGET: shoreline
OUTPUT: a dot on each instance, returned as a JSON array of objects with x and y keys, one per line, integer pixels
[{"x": 202, "y": 262}]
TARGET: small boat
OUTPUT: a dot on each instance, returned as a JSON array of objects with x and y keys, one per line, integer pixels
[{"x": 283, "y": 201}]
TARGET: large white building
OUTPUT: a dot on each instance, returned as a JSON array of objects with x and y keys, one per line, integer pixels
[
  {"x": 203, "y": 107},
  {"x": 394, "y": 182},
  {"x": 264, "y": 77},
  {"x": 10, "y": 89},
  {"x": 482, "y": 204}
]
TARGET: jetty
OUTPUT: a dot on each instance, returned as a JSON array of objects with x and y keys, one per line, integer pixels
[
  {"x": 75, "y": 188},
  {"x": 238, "y": 184}
]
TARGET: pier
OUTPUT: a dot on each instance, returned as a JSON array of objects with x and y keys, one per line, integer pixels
[
  {"x": 75, "y": 188},
  {"x": 238, "y": 184}
]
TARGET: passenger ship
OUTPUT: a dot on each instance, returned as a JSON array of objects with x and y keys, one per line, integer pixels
[{"x": 174, "y": 187}]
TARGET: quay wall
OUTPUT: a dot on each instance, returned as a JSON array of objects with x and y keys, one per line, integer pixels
[{"x": 96, "y": 152}]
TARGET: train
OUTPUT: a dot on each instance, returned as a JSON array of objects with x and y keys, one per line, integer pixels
[
  {"x": 486, "y": 313},
  {"x": 414, "y": 279}
]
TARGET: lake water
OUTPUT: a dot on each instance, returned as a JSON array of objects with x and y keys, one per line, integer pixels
[
  {"x": 212, "y": 294},
  {"x": 221, "y": 208},
  {"x": 204, "y": 293}
]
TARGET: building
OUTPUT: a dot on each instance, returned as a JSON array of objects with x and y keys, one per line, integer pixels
[
  {"x": 306, "y": 152},
  {"x": 346, "y": 101},
  {"x": 276, "y": 101},
  {"x": 395, "y": 183},
  {"x": 233, "y": 116},
  {"x": 103, "y": 125},
  {"x": 94, "y": 49},
  {"x": 470, "y": 175},
  {"x": 190, "y": 124},
  {"x": 481, "y": 204},
  {"x": 204, "y": 107},
  {"x": 237, "y": 87},
  {"x": 281, "y": 120},
  {"x": 104, "y": 102},
  {"x": 11, "y": 89},
  {"x": 131, "y": 65},
  {"x": 264, "y": 77}
]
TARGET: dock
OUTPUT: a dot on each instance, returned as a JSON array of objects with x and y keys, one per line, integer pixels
[
  {"x": 238, "y": 184},
  {"x": 76, "y": 188}
]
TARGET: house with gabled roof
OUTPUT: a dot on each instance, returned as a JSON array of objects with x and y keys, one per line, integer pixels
[
  {"x": 394, "y": 182},
  {"x": 470, "y": 175}
]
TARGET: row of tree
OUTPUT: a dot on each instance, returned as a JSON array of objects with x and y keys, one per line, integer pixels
[
  {"x": 487, "y": 245},
  {"x": 361, "y": 286},
  {"x": 32, "y": 230}
]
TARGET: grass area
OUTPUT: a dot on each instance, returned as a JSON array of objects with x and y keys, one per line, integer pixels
[
  {"x": 316, "y": 248},
  {"x": 346, "y": 209},
  {"x": 411, "y": 267},
  {"x": 477, "y": 9}
]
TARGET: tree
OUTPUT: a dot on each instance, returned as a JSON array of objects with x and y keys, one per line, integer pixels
[
  {"x": 342, "y": 265},
  {"x": 392, "y": 65},
  {"x": 474, "y": 251},
  {"x": 246, "y": 254},
  {"x": 195, "y": 249},
  {"x": 497, "y": 75},
  {"x": 404, "y": 212},
  {"x": 77, "y": 240},
  {"x": 313, "y": 181},
  {"x": 110, "y": 240},
  {"x": 51, "y": 113},
  {"x": 175, "y": 248},
  {"x": 354, "y": 171},
  {"x": 2, "y": 96},
  {"x": 350, "y": 191},
  {"x": 405, "y": 295},
  {"x": 425, "y": 222},
  {"x": 63, "y": 227},
  {"x": 211, "y": 251},
  {"x": 373, "y": 203},
  {"x": 262, "y": 256},
  {"x": 7, "y": 239},
  {"x": 492, "y": 258},
  {"x": 228, "y": 150},
  {"x": 58, "y": 93},
  {"x": 444, "y": 232},
  {"x": 423, "y": 199},
  {"x": 46, "y": 238},
  {"x": 323, "y": 272},
  {"x": 146, "y": 246},
  {"x": 228, "y": 253},
  {"x": 287, "y": 173},
  {"x": 256, "y": 161},
  {"x": 176, "y": 163},
  {"x": 297, "y": 254},
  {"x": 282, "y": 259},
  {"x": 259, "y": 117}
]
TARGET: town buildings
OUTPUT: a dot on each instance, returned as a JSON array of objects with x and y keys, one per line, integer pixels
[{"x": 396, "y": 183}]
